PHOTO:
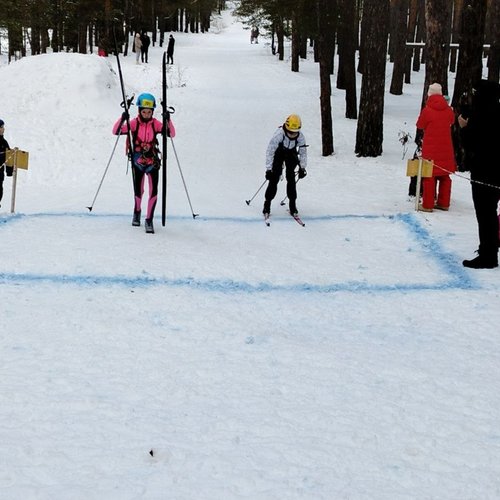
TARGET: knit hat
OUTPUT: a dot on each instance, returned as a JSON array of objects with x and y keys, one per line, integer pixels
[
  {"x": 2, "y": 123},
  {"x": 435, "y": 88}
]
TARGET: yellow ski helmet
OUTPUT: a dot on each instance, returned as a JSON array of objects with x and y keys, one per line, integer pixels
[{"x": 293, "y": 123}]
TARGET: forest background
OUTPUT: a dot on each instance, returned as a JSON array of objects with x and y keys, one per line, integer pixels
[{"x": 446, "y": 35}]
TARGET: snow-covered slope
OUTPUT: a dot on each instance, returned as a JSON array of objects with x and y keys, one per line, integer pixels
[{"x": 219, "y": 358}]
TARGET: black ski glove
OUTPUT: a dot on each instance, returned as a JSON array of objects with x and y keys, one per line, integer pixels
[
  {"x": 125, "y": 116},
  {"x": 302, "y": 173},
  {"x": 269, "y": 174},
  {"x": 9, "y": 171}
]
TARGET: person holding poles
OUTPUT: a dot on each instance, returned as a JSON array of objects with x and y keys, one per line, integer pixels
[
  {"x": 288, "y": 147},
  {"x": 4, "y": 146},
  {"x": 144, "y": 154}
]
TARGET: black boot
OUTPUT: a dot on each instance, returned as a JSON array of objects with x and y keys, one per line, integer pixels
[
  {"x": 148, "y": 224},
  {"x": 267, "y": 207},
  {"x": 136, "y": 218},
  {"x": 293, "y": 208},
  {"x": 482, "y": 262}
]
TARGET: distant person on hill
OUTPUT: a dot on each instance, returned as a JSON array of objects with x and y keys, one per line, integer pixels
[
  {"x": 480, "y": 130},
  {"x": 288, "y": 147},
  {"x": 254, "y": 35},
  {"x": 146, "y": 42},
  {"x": 137, "y": 47},
  {"x": 145, "y": 154},
  {"x": 435, "y": 120},
  {"x": 4, "y": 145},
  {"x": 170, "y": 50}
]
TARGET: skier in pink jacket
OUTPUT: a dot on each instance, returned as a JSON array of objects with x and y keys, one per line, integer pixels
[{"x": 145, "y": 155}]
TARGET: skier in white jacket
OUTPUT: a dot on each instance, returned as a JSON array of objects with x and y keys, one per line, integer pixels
[{"x": 287, "y": 146}]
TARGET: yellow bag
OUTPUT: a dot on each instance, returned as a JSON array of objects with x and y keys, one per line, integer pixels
[{"x": 412, "y": 168}]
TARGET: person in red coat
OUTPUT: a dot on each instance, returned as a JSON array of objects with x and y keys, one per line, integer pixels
[{"x": 436, "y": 120}]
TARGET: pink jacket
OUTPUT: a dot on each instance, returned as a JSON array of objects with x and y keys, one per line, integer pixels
[{"x": 143, "y": 132}]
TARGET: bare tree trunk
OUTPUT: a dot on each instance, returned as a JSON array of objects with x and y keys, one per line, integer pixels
[
  {"x": 470, "y": 64},
  {"x": 401, "y": 27},
  {"x": 375, "y": 24},
  {"x": 281, "y": 40},
  {"x": 455, "y": 33},
  {"x": 295, "y": 42},
  {"x": 438, "y": 24},
  {"x": 15, "y": 37},
  {"x": 347, "y": 41},
  {"x": 82, "y": 38},
  {"x": 45, "y": 40},
  {"x": 324, "y": 9},
  {"x": 410, "y": 37},
  {"x": 420, "y": 35},
  {"x": 494, "y": 54}
]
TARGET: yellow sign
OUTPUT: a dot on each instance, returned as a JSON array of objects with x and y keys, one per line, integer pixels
[
  {"x": 17, "y": 158},
  {"x": 412, "y": 168}
]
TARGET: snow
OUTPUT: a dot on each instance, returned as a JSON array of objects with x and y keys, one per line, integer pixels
[{"x": 221, "y": 359}]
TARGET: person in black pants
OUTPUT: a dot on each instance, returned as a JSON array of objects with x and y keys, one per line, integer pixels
[
  {"x": 480, "y": 127},
  {"x": 4, "y": 145},
  {"x": 287, "y": 146},
  {"x": 146, "y": 42},
  {"x": 170, "y": 50}
]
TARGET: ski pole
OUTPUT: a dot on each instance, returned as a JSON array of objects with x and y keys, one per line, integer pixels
[
  {"x": 104, "y": 174},
  {"x": 125, "y": 105},
  {"x": 256, "y": 193},
  {"x": 183, "y": 181}
]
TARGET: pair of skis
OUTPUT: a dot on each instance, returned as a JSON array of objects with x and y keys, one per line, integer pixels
[
  {"x": 298, "y": 220},
  {"x": 165, "y": 113}
]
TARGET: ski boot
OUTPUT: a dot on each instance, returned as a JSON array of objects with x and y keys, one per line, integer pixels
[
  {"x": 148, "y": 224},
  {"x": 136, "y": 218},
  {"x": 267, "y": 208},
  {"x": 482, "y": 262}
]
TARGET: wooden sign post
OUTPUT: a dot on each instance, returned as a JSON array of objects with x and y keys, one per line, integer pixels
[{"x": 17, "y": 159}]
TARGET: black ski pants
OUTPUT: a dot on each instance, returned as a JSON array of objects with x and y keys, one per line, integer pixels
[
  {"x": 2, "y": 176},
  {"x": 485, "y": 200},
  {"x": 290, "y": 158}
]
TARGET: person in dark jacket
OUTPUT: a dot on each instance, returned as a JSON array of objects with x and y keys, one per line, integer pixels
[
  {"x": 4, "y": 145},
  {"x": 170, "y": 50},
  {"x": 435, "y": 120},
  {"x": 480, "y": 127},
  {"x": 146, "y": 42}
]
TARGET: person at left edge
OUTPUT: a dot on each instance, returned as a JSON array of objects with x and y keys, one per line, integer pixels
[
  {"x": 145, "y": 154},
  {"x": 4, "y": 145}
]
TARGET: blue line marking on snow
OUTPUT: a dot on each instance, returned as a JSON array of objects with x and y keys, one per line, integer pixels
[
  {"x": 446, "y": 261},
  {"x": 224, "y": 285},
  {"x": 458, "y": 276}
]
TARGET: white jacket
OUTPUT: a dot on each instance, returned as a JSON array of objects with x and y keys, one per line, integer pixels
[{"x": 280, "y": 137}]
